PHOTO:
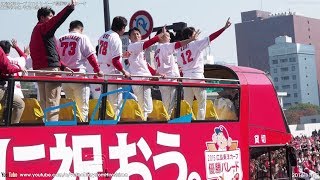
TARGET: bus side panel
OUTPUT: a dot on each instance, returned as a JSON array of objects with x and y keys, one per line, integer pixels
[
  {"x": 244, "y": 121},
  {"x": 265, "y": 110},
  {"x": 152, "y": 151}
]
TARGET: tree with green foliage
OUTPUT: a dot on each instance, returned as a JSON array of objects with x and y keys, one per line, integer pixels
[{"x": 294, "y": 113}]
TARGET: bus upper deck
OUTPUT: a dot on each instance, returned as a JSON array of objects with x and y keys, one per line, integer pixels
[{"x": 242, "y": 111}]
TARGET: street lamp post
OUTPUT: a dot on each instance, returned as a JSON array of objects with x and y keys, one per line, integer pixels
[{"x": 106, "y": 11}]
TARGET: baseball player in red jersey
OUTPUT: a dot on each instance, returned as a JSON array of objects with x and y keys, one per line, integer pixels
[
  {"x": 7, "y": 68},
  {"x": 94, "y": 88},
  {"x": 192, "y": 65},
  {"x": 166, "y": 65},
  {"x": 139, "y": 66},
  {"x": 18, "y": 61},
  {"x": 110, "y": 55},
  {"x": 75, "y": 50},
  {"x": 45, "y": 56}
]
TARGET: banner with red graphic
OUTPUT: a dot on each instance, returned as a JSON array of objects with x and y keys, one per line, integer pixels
[{"x": 135, "y": 151}]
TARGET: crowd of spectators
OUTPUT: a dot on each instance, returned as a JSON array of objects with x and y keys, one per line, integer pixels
[
  {"x": 264, "y": 167},
  {"x": 308, "y": 155},
  {"x": 271, "y": 162}
]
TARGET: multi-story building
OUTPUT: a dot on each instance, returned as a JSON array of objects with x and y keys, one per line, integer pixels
[
  {"x": 293, "y": 70},
  {"x": 258, "y": 30}
]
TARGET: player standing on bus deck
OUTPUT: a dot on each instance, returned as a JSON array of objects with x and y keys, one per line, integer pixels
[
  {"x": 18, "y": 104},
  {"x": 167, "y": 66},
  {"x": 139, "y": 66},
  {"x": 75, "y": 49},
  {"x": 110, "y": 55},
  {"x": 20, "y": 61},
  {"x": 45, "y": 56},
  {"x": 192, "y": 65}
]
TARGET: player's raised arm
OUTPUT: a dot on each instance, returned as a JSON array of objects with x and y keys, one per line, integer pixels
[
  {"x": 155, "y": 39},
  {"x": 220, "y": 31},
  {"x": 50, "y": 26},
  {"x": 194, "y": 37},
  {"x": 151, "y": 42},
  {"x": 73, "y": 3},
  {"x": 16, "y": 47}
]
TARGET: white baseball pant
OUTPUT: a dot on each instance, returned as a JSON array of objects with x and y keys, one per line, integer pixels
[
  {"x": 168, "y": 96},
  {"x": 80, "y": 94},
  {"x": 144, "y": 97},
  {"x": 200, "y": 93}
]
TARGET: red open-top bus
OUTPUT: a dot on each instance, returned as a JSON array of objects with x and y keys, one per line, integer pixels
[{"x": 242, "y": 134}]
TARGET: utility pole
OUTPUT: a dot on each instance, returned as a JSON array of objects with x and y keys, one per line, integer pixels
[{"x": 106, "y": 11}]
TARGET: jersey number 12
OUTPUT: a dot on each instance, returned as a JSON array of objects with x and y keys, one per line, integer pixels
[{"x": 188, "y": 55}]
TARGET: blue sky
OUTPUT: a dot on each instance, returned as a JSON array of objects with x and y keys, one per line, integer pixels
[{"x": 207, "y": 15}]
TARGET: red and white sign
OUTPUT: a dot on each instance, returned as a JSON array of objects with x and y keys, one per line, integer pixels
[
  {"x": 143, "y": 21},
  {"x": 153, "y": 151},
  {"x": 223, "y": 156}
]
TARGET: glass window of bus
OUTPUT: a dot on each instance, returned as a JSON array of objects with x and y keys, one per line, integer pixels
[
  {"x": 279, "y": 163},
  {"x": 268, "y": 163},
  {"x": 259, "y": 164},
  {"x": 225, "y": 103},
  {"x": 3, "y": 90}
]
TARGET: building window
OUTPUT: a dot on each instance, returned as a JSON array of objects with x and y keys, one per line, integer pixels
[
  {"x": 293, "y": 68},
  {"x": 274, "y": 61},
  {"x": 294, "y": 86},
  {"x": 308, "y": 29},
  {"x": 306, "y": 67},
  {"x": 294, "y": 77},
  {"x": 285, "y": 78},
  {"x": 306, "y": 76},
  {"x": 308, "y": 94},
  {"x": 286, "y": 87},
  {"x": 308, "y": 22},
  {"x": 307, "y": 84},
  {"x": 309, "y": 37},
  {"x": 287, "y": 104},
  {"x": 288, "y": 95},
  {"x": 275, "y": 70},
  {"x": 305, "y": 58},
  {"x": 283, "y": 60},
  {"x": 284, "y": 69},
  {"x": 295, "y": 94},
  {"x": 292, "y": 59},
  {"x": 275, "y": 79},
  {"x": 313, "y": 120}
]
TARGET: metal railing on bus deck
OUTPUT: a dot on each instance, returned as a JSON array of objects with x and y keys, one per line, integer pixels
[
  {"x": 212, "y": 82},
  {"x": 121, "y": 75}
]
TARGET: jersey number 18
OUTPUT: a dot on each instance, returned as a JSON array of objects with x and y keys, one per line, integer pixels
[{"x": 103, "y": 47}]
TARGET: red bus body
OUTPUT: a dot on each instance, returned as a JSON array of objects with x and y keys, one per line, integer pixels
[{"x": 157, "y": 150}]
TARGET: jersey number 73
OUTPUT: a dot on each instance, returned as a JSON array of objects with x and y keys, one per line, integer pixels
[{"x": 72, "y": 48}]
